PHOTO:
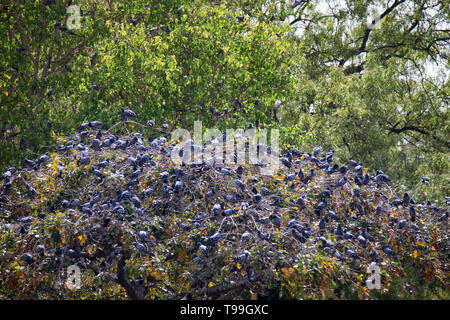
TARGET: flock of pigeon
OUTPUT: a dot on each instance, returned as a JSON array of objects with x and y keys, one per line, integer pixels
[{"x": 123, "y": 192}]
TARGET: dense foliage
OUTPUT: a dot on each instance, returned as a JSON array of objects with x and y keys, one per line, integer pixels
[
  {"x": 139, "y": 226},
  {"x": 352, "y": 76}
]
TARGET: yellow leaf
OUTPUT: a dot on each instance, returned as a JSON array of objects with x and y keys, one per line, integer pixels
[
  {"x": 82, "y": 240},
  {"x": 210, "y": 284},
  {"x": 6, "y": 93},
  {"x": 238, "y": 265},
  {"x": 420, "y": 243}
]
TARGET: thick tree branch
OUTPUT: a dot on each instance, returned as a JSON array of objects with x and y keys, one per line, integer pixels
[
  {"x": 74, "y": 50},
  {"x": 121, "y": 279},
  {"x": 363, "y": 46},
  {"x": 407, "y": 128}
]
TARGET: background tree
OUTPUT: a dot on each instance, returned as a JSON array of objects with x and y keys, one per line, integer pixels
[{"x": 352, "y": 76}]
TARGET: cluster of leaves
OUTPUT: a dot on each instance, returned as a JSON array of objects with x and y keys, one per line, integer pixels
[{"x": 119, "y": 212}]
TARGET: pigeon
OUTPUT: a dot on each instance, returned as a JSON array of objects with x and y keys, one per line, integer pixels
[
  {"x": 240, "y": 184},
  {"x": 338, "y": 231},
  {"x": 40, "y": 249},
  {"x": 296, "y": 3},
  {"x": 306, "y": 233},
  {"x": 216, "y": 208},
  {"x": 402, "y": 223},
  {"x": 178, "y": 186},
  {"x": 358, "y": 181},
  {"x": 343, "y": 169},
  {"x": 50, "y": 92},
  {"x": 443, "y": 217},
  {"x": 382, "y": 178},
  {"x": 256, "y": 198},
  {"x": 341, "y": 182},
  {"x": 126, "y": 114},
  {"x": 95, "y": 144},
  {"x": 367, "y": 236},
  {"x": 136, "y": 202},
  {"x": 357, "y": 192},
  {"x": 290, "y": 177},
  {"x": 425, "y": 180},
  {"x": 183, "y": 226},
  {"x": 212, "y": 240},
  {"x": 412, "y": 213},
  {"x": 374, "y": 256},
  {"x": 309, "y": 176},
  {"x": 332, "y": 215},
  {"x": 119, "y": 210},
  {"x": 326, "y": 193},
  {"x": 301, "y": 202},
  {"x": 96, "y": 125},
  {"x": 228, "y": 212},
  {"x": 297, "y": 235},
  {"x": 348, "y": 235},
  {"x": 361, "y": 240},
  {"x": 406, "y": 199},
  {"x": 225, "y": 171},
  {"x": 320, "y": 208},
  {"x": 264, "y": 220},
  {"x": 203, "y": 249},
  {"x": 265, "y": 191},
  {"x": 45, "y": 157},
  {"x": 352, "y": 162},
  {"x": 275, "y": 219},
  {"x": 228, "y": 197},
  {"x": 316, "y": 151},
  {"x": 358, "y": 171},
  {"x": 140, "y": 246},
  {"x": 322, "y": 224},
  {"x": 84, "y": 160},
  {"x": 210, "y": 193},
  {"x": 388, "y": 251},
  {"x": 366, "y": 180},
  {"x": 263, "y": 236},
  {"x": 286, "y": 162},
  {"x": 246, "y": 236},
  {"x": 276, "y": 202},
  {"x": 242, "y": 258},
  {"x": 28, "y": 258},
  {"x": 378, "y": 210},
  {"x": 29, "y": 163},
  {"x": 351, "y": 253}
]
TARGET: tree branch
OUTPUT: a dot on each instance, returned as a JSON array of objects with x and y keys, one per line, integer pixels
[
  {"x": 396, "y": 3},
  {"x": 121, "y": 279}
]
